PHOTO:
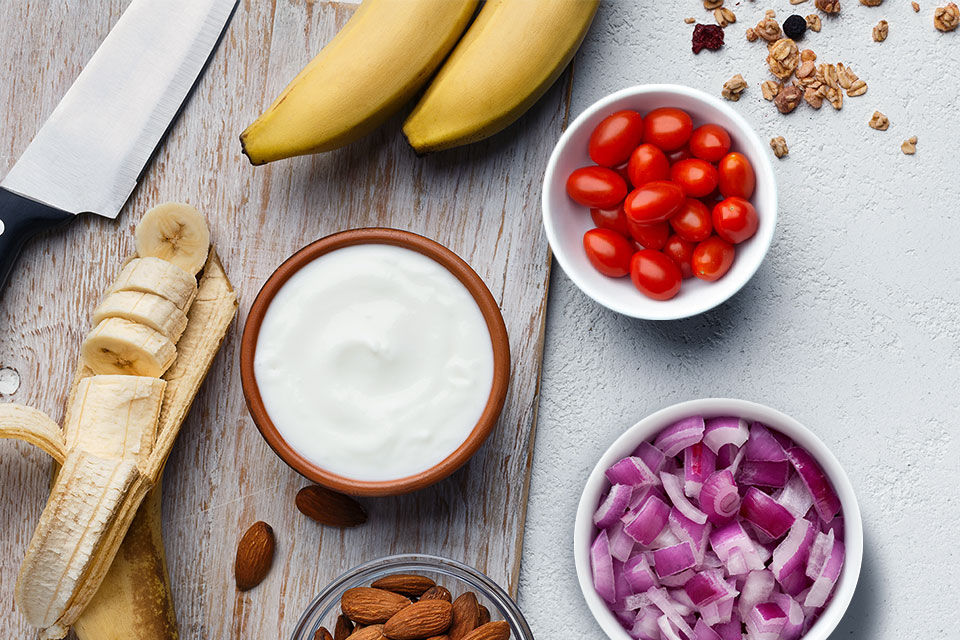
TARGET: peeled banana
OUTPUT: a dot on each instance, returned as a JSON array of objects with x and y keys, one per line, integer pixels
[
  {"x": 175, "y": 232},
  {"x": 508, "y": 58},
  {"x": 117, "y": 345},
  {"x": 145, "y": 308},
  {"x": 159, "y": 277},
  {"x": 374, "y": 65}
]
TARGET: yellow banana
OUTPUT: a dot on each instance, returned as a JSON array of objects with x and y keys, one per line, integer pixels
[
  {"x": 382, "y": 56},
  {"x": 509, "y": 57}
]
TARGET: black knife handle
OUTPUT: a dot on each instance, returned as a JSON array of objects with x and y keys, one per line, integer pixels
[{"x": 20, "y": 219}]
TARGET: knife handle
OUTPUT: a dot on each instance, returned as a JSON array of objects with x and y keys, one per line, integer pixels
[{"x": 20, "y": 219}]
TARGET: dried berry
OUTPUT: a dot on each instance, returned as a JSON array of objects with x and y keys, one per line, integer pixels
[
  {"x": 707, "y": 36},
  {"x": 795, "y": 27}
]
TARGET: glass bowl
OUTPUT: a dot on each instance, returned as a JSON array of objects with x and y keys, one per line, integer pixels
[{"x": 456, "y": 577}]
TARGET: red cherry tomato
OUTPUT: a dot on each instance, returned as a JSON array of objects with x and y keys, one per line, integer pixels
[
  {"x": 649, "y": 236},
  {"x": 654, "y": 202},
  {"x": 615, "y": 137},
  {"x": 596, "y": 187},
  {"x": 608, "y": 252},
  {"x": 696, "y": 177},
  {"x": 710, "y": 142},
  {"x": 681, "y": 252},
  {"x": 735, "y": 220},
  {"x": 647, "y": 163},
  {"x": 736, "y": 176},
  {"x": 655, "y": 275},
  {"x": 712, "y": 258},
  {"x": 613, "y": 219},
  {"x": 682, "y": 153},
  {"x": 667, "y": 128},
  {"x": 692, "y": 222}
]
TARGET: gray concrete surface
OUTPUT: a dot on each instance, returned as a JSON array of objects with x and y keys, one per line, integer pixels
[{"x": 851, "y": 325}]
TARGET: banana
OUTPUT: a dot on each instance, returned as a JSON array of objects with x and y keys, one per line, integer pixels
[
  {"x": 175, "y": 232},
  {"x": 509, "y": 57},
  {"x": 146, "y": 308},
  {"x": 374, "y": 65},
  {"x": 121, "y": 346},
  {"x": 159, "y": 277},
  {"x": 34, "y": 427}
]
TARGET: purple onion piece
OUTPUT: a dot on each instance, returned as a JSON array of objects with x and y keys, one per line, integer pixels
[
  {"x": 687, "y": 530},
  {"x": 719, "y": 432},
  {"x": 702, "y": 632},
  {"x": 650, "y": 520},
  {"x": 733, "y": 546},
  {"x": 819, "y": 552},
  {"x": 671, "y": 610},
  {"x": 651, "y": 456},
  {"x": 680, "y": 435},
  {"x": 765, "y": 513},
  {"x": 762, "y": 445},
  {"x": 601, "y": 563},
  {"x": 792, "y": 554},
  {"x": 667, "y": 629},
  {"x": 766, "y": 619},
  {"x": 793, "y": 628},
  {"x": 719, "y": 497},
  {"x": 730, "y": 630},
  {"x": 631, "y": 471},
  {"x": 645, "y": 624},
  {"x": 639, "y": 574},
  {"x": 757, "y": 588},
  {"x": 678, "y": 580},
  {"x": 795, "y": 497},
  {"x": 674, "y": 488},
  {"x": 613, "y": 506},
  {"x": 825, "y": 499},
  {"x": 698, "y": 463},
  {"x": 672, "y": 560},
  {"x": 707, "y": 587},
  {"x": 823, "y": 586},
  {"x": 621, "y": 544},
  {"x": 764, "y": 473}
]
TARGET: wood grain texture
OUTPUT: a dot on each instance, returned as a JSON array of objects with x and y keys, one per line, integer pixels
[{"x": 482, "y": 202}]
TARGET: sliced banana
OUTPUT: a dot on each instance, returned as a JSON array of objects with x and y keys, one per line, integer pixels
[
  {"x": 175, "y": 232},
  {"x": 157, "y": 276},
  {"x": 121, "y": 346},
  {"x": 146, "y": 308}
]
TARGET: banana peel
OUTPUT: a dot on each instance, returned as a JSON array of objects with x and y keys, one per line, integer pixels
[{"x": 107, "y": 602}]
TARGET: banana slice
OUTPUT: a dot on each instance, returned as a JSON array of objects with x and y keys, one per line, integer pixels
[
  {"x": 121, "y": 346},
  {"x": 175, "y": 232},
  {"x": 159, "y": 277},
  {"x": 146, "y": 308}
]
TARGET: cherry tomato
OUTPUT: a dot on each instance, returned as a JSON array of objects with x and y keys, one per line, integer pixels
[
  {"x": 649, "y": 236},
  {"x": 667, "y": 128},
  {"x": 712, "y": 258},
  {"x": 596, "y": 187},
  {"x": 735, "y": 220},
  {"x": 696, "y": 177},
  {"x": 647, "y": 163},
  {"x": 615, "y": 137},
  {"x": 613, "y": 219},
  {"x": 653, "y": 202},
  {"x": 736, "y": 176},
  {"x": 680, "y": 154},
  {"x": 692, "y": 222},
  {"x": 655, "y": 275},
  {"x": 681, "y": 252},
  {"x": 710, "y": 142},
  {"x": 608, "y": 252}
]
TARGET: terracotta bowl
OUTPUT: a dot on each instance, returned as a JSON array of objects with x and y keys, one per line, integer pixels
[{"x": 491, "y": 314}]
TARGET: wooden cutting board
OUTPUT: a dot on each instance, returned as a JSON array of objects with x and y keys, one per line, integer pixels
[{"x": 482, "y": 201}]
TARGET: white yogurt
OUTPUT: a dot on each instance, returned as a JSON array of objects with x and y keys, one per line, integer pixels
[{"x": 374, "y": 362}]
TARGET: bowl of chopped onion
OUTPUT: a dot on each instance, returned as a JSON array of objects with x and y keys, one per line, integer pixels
[{"x": 718, "y": 519}]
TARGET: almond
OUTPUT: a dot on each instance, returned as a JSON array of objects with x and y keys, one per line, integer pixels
[
  {"x": 466, "y": 615},
  {"x": 437, "y": 593},
  {"x": 254, "y": 556},
  {"x": 343, "y": 629},
  {"x": 423, "y": 619},
  {"x": 499, "y": 630},
  {"x": 322, "y": 634},
  {"x": 366, "y": 605},
  {"x": 405, "y": 583},
  {"x": 373, "y": 632},
  {"x": 484, "y": 617},
  {"x": 443, "y": 637},
  {"x": 329, "y": 507}
]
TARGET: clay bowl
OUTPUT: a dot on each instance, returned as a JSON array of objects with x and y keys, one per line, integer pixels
[{"x": 491, "y": 314}]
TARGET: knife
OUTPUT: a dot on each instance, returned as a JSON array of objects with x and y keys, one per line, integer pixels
[{"x": 89, "y": 154}]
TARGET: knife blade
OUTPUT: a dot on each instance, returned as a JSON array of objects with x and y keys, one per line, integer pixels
[{"x": 89, "y": 154}]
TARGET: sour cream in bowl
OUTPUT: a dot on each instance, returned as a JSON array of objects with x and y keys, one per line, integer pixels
[{"x": 375, "y": 362}]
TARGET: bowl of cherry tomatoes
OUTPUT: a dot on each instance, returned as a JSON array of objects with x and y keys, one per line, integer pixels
[{"x": 659, "y": 201}]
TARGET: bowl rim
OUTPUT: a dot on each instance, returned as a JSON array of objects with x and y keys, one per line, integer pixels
[
  {"x": 507, "y": 606},
  {"x": 481, "y": 295},
  {"x": 713, "y": 407},
  {"x": 764, "y": 172}
]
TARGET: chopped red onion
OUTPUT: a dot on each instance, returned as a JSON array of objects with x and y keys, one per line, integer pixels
[
  {"x": 687, "y": 530},
  {"x": 631, "y": 471},
  {"x": 679, "y": 579},
  {"x": 766, "y": 620},
  {"x": 638, "y": 573},
  {"x": 718, "y": 612},
  {"x": 602, "y": 564},
  {"x": 667, "y": 630},
  {"x": 680, "y": 435},
  {"x": 764, "y": 473},
  {"x": 650, "y": 520},
  {"x": 723, "y": 431},
  {"x": 762, "y": 445},
  {"x": 794, "y": 582},
  {"x": 674, "y": 488},
  {"x": 726, "y": 456},
  {"x": 765, "y": 513},
  {"x": 824, "y": 498},
  {"x": 621, "y": 544},
  {"x": 651, "y": 456},
  {"x": 719, "y": 497},
  {"x": 672, "y": 560},
  {"x": 707, "y": 587},
  {"x": 792, "y": 554},
  {"x": 819, "y": 552},
  {"x": 702, "y": 632},
  {"x": 731, "y": 540},
  {"x": 756, "y": 589},
  {"x": 665, "y": 539},
  {"x": 793, "y": 628},
  {"x": 795, "y": 497},
  {"x": 614, "y": 506},
  {"x": 730, "y": 630},
  {"x": 698, "y": 463},
  {"x": 645, "y": 624},
  {"x": 637, "y": 601},
  {"x": 823, "y": 585},
  {"x": 673, "y": 611}
]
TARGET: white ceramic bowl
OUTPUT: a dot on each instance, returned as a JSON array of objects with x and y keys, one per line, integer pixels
[
  {"x": 714, "y": 407},
  {"x": 566, "y": 221}
]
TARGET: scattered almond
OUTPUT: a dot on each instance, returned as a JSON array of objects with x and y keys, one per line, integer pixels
[
  {"x": 879, "y": 121},
  {"x": 437, "y": 593},
  {"x": 909, "y": 146},
  {"x": 484, "y": 616},
  {"x": 322, "y": 634},
  {"x": 498, "y": 630},
  {"x": 422, "y": 619},
  {"x": 916, "y": 7},
  {"x": 466, "y": 616},
  {"x": 254, "y": 556},
  {"x": 366, "y": 605},
  {"x": 405, "y": 584},
  {"x": 343, "y": 628},
  {"x": 329, "y": 507},
  {"x": 372, "y": 632},
  {"x": 788, "y": 98}
]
